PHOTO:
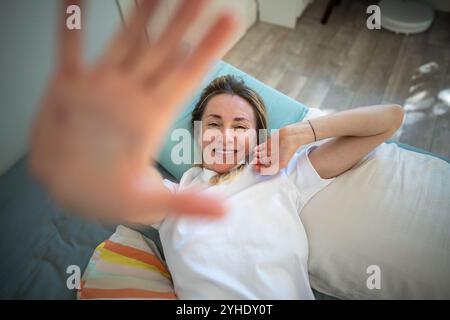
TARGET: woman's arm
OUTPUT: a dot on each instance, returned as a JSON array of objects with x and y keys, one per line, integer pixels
[
  {"x": 90, "y": 148},
  {"x": 355, "y": 133},
  {"x": 155, "y": 178}
]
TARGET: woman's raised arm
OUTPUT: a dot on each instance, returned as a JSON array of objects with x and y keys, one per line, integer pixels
[{"x": 355, "y": 133}]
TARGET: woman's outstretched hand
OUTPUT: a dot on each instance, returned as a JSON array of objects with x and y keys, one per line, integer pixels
[{"x": 99, "y": 126}]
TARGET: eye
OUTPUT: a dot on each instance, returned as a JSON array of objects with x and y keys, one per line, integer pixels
[
  {"x": 241, "y": 128},
  {"x": 213, "y": 125}
]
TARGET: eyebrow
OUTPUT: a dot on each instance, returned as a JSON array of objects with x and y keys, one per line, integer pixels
[{"x": 235, "y": 119}]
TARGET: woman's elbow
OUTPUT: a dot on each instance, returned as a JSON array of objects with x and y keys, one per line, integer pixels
[{"x": 397, "y": 114}]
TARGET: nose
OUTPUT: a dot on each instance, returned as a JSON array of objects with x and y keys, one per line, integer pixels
[{"x": 228, "y": 138}]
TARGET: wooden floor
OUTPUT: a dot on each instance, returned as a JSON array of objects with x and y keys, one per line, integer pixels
[{"x": 343, "y": 64}]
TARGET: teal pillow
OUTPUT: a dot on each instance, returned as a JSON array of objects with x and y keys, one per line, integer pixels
[{"x": 281, "y": 109}]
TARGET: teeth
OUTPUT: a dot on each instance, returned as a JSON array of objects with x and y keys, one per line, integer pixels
[{"x": 225, "y": 151}]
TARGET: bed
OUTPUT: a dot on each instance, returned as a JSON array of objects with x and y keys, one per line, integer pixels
[{"x": 40, "y": 241}]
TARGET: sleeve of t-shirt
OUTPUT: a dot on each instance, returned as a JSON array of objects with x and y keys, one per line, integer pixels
[
  {"x": 173, "y": 187},
  {"x": 304, "y": 176}
]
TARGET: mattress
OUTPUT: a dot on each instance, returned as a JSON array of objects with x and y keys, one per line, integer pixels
[{"x": 38, "y": 241}]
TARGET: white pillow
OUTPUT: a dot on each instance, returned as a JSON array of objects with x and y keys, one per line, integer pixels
[{"x": 390, "y": 214}]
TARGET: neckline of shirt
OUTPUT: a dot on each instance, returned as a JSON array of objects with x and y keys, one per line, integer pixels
[{"x": 207, "y": 174}]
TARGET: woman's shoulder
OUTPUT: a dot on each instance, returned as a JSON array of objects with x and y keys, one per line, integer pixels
[
  {"x": 191, "y": 174},
  {"x": 186, "y": 179}
]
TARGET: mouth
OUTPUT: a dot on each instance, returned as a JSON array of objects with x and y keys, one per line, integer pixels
[{"x": 224, "y": 152}]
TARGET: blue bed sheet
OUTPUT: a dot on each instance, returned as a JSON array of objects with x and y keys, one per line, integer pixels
[{"x": 38, "y": 241}]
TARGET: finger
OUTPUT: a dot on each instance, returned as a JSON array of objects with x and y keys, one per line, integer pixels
[
  {"x": 130, "y": 37},
  {"x": 262, "y": 146},
  {"x": 136, "y": 31},
  {"x": 264, "y": 161},
  {"x": 263, "y": 154},
  {"x": 187, "y": 76},
  {"x": 169, "y": 42},
  {"x": 70, "y": 36},
  {"x": 193, "y": 204},
  {"x": 256, "y": 168},
  {"x": 269, "y": 170},
  {"x": 186, "y": 204},
  {"x": 136, "y": 25},
  {"x": 151, "y": 73},
  {"x": 186, "y": 13}
]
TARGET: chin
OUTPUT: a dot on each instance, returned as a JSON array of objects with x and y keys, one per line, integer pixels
[{"x": 221, "y": 168}]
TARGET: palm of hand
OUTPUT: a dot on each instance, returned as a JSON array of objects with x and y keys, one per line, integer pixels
[{"x": 98, "y": 127}]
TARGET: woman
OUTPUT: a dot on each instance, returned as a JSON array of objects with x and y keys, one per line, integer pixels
[
  {"x": 259, "y": 249},
  {"x": 99, "y": 124},
  {"x": 91, "y": 149}
]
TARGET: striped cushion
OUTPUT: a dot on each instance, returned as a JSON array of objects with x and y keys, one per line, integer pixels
[{"x": 126, "y": 266}]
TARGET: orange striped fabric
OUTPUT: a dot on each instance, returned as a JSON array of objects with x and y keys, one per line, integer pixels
[
  {"x": 136, "y": 254},
  {"x": 93, "y": 293},
  {"x": 126, "y": 266}
]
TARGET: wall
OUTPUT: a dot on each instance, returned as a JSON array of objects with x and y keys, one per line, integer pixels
[
  {"x": 27, "y": 55},
  {"x": 28, "y": 31}
]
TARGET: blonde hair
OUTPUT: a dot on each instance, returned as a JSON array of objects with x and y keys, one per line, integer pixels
[{"x": 229, "y": 84}]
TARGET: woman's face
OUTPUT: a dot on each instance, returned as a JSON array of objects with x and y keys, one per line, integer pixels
[{"x": 228, "y": 132}]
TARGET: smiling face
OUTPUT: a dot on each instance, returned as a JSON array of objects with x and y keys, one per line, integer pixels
[
  {"x": 231, "y": 116},
  {"x": 228, "y": 132}
]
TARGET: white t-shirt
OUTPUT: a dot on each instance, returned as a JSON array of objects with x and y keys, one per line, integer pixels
[{"x": 258, "y": 250}]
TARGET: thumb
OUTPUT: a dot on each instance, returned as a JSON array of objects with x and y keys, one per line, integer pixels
[
  {"x": 195, "y": 204},
  {"x": 151, "y": 201},
  {"x": 183, "y": 203}
]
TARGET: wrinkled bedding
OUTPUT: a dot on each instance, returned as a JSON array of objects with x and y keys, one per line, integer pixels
[{"x": 38, "y": 241}]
